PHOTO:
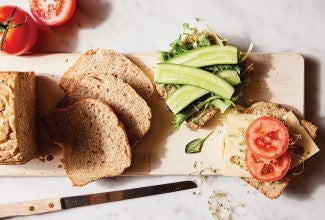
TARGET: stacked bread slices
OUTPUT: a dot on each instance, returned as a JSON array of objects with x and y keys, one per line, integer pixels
[{"x": 105, "y": 112}]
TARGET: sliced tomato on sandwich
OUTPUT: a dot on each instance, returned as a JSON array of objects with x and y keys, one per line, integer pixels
[
  {"x": 267, "y": 137},
  {"x": 265, "y": 169}
]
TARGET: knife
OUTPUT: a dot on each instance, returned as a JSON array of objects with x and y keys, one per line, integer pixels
[{"x": 56, "y": 204}]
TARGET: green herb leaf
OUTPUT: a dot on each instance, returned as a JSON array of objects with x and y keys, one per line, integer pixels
[{"x": 195, "y": 146}]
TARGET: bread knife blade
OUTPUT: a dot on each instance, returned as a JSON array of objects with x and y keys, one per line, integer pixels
[{"x": 56, "y": 204}]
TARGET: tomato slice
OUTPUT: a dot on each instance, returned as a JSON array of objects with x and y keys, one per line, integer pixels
[
  {"x": 267, "y": 137},
  {"x": 52, "y": 12},
  {"x": 267, "y": 170}
]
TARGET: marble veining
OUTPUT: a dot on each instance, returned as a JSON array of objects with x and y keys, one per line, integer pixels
[{"x": 146, "y": 26}]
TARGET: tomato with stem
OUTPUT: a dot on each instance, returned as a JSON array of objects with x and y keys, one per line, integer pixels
[{"x": 18, "y": 31}]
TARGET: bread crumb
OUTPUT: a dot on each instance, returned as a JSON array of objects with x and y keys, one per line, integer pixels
[
  {"x": 49, "y": 157},
  {"x": 44, "y": 158}
]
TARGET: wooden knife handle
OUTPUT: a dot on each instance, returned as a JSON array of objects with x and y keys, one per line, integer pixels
[{"x": 30, "y": 207}]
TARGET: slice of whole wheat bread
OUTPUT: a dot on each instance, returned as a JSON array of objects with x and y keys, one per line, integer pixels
[
  {"x": 109, "y": 62},
  {"x": 130, "y": 108},
  {"x": 93, "y": 140},
  {"x": 274, "y": 190}
]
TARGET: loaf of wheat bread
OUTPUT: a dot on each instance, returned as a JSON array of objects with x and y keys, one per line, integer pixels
[
  {"x": 274, "y": 190},
  {"x": 18, "y": 140},
  {"x": 92, "y": 138},
  {"x": 130, "y": 108},
  {"x": 109, "y": 62}
]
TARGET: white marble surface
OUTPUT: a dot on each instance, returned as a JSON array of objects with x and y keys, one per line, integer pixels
[{"x": 145, "y": 26}]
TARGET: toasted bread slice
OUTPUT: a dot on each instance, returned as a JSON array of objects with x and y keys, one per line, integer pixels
[
  {"x": 93, "y": 140},
  {"x": 273, "y": 190},
  {"x": 109, "y": 62},
  {"x": 163, "y": 92},
  {"x": 130, "y": 108},
  {"x": 204, "y": 118}
]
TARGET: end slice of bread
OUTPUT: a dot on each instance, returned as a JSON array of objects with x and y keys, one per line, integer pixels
[
  {"x": 274, "y": 190},
  {"x": 18, "y": 127},
  {"x": 109, "y": 62},
  {"x": 93, "y": 140},
  {"x": 130, "y": 108}
]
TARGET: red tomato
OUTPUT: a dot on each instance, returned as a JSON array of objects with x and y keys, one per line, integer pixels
[
  {"x": 267, "y": 137},
  {"x": 267, "y": 170},
  {"x": 18, "y": 31},
  {"x": 52, "y": 12}
]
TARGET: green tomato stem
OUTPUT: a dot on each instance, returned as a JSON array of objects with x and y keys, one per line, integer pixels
[{"x": 6, "y": 26}]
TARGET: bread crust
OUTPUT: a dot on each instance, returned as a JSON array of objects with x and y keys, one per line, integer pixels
[
  {"x": 109, "y": 62},
  {"x": 93, "y": 140},
  {"x": 130, "y": 107}
]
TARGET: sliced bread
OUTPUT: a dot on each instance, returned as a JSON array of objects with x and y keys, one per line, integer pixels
[
  {"x": 130, "y": 108},
  {"x": 109, "y": 62},
  {"x": 93, "y": 140},
  {"x": 18, "y": 127},
  {"x": 273, "y": 190}
]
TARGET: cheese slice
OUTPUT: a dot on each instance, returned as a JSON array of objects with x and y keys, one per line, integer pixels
[
  {"x": 234, "y": 144},
  {"x": 235, "y": 147},
  {"x": 300, "y": 138}
]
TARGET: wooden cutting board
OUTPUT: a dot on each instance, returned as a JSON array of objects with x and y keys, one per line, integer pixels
[{"x": 278, "y": 77}]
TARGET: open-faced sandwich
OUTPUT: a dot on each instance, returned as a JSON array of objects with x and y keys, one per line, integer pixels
[
  {"x": 200, "y": 76},
  {"x": 266, "y": 145}
]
